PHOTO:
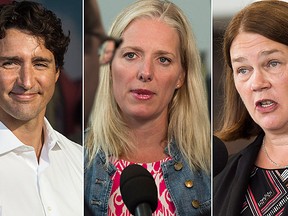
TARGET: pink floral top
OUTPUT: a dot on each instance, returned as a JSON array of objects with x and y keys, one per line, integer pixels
[{"x": 116, "y": 205}]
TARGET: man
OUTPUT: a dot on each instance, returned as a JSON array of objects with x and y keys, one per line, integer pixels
[{"x": 40, "y": 169}]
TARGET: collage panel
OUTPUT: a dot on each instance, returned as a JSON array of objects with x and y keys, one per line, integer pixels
[
  {"x": 147, "y": 146},
  {"x": 250, "y": 115},
  {"x": 41, "y": 157},
  {"x": 106, "y": 107}
]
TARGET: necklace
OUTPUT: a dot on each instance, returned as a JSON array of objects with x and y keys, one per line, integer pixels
[{"x": 273, "y": 162}]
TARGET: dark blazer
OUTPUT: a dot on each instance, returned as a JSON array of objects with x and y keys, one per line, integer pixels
[{"x": 230, "y": 185}]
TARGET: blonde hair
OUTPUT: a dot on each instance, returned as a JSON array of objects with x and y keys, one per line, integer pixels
[{"x": 188, "y": 117}]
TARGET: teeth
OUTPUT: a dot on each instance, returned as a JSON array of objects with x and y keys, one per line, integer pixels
[{"x": 266, "y": 103}]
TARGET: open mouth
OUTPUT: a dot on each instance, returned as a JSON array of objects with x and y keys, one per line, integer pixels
[{"x": 265, "y": 103}]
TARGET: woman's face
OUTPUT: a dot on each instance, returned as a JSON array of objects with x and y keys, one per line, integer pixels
[
  {"x": 146, "y": 69},
  {"x": 260, "y": 69}
]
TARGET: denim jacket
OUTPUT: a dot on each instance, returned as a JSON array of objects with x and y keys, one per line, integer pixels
[{"x": 189, "y": 190}]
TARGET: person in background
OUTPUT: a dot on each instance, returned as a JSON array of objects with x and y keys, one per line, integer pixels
[
  {"x": 107, "y": 52},
  {"x": 254, "y": 181},
  {"x": 99, "y": 50},
  {"x": 41, "y": 170},
  {"x": 150, "y": 109},
  {"x": 93, "y": 34}
]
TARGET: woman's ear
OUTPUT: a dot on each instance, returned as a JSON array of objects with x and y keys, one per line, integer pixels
[{"x": 181, "y": 80}]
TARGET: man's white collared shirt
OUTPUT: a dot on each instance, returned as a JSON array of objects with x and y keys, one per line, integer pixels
[{"x": 52, "y": 187}]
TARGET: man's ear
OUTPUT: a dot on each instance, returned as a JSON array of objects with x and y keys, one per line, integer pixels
[{"x": 57, "y": 74}]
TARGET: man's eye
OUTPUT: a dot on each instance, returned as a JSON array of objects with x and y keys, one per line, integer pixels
[
  {"x": 40, "y": 65},
  {"x": 273, "y": 64},
  {"x": 8, "y": 64},
  {"x": 130, "y": 55}
]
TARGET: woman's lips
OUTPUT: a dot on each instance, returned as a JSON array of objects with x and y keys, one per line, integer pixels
[
  {"x": 142, "y": 94},
  {"x": 266, "y": 105}
]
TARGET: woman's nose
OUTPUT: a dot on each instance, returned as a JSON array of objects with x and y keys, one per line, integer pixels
[
  {"x": 259, "y": 81},
  {"x": 145, "y": 73}
]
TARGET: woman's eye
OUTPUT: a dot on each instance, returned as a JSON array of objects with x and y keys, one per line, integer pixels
[
  {"x": 242, "y": 70},
  {"x": 164, "y": 60}
]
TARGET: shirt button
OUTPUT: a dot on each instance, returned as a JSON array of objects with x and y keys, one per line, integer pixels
[
  {"x": 195, "y": 204},
  {"x": 178, "y": 166},
  {"x": 49, "y": 208},
  {"x": 189, "y": 183}
]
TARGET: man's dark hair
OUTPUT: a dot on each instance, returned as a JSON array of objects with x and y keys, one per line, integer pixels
[{"x": 34, "y": 19}]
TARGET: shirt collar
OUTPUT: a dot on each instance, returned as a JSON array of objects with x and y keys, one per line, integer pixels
[
  {"x": 172, "y": 150},
  {"x": 10, "y": 142},
  {"x": 51, "y": 139}
]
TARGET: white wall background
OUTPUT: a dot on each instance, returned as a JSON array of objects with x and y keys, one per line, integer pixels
[{"x": 227, "y": 8}]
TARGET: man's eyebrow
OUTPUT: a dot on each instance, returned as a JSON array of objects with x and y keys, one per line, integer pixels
[
  {"x": 12, "y": 58},
  {"x": 17, "y": 58},
  {"x": 42, "y": 59}
]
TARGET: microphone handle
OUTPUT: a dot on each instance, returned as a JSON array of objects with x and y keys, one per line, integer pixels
[{"x": 143, "y": 209}]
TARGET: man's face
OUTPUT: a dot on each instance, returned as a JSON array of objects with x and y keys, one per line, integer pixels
[{"x": 27, "y": 77}]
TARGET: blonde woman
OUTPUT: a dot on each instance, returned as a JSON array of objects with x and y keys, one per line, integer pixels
[{"x": 151, "y": 109}]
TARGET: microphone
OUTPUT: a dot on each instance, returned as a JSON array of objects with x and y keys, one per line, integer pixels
[
  {"x": 138, "y": 190},
  {"x": 220, "y": 155}
]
